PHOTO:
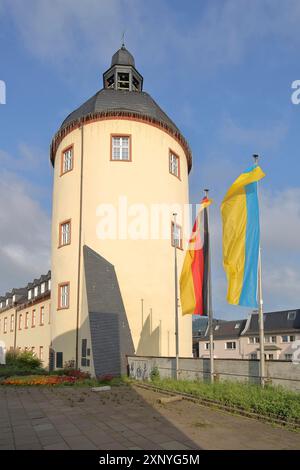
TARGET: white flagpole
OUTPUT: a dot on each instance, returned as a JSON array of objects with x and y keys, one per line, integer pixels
[
  {"x": 260, "y": 310},
  {"x": 176, "y": 299},
  {"x": 210, "y": 309}
]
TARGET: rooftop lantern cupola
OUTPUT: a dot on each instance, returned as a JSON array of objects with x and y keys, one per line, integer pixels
[{"x": 122, "y": 74}]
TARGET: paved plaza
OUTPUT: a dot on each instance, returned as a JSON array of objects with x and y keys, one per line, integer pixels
[{"x": 126, "y": 417}]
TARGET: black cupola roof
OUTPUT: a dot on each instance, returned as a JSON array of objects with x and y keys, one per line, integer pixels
[{"x": 122, "y": 57}]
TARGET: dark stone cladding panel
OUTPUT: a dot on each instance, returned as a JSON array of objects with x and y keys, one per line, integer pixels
[
  {"x": 106, "y": 343},
  {"x": 110, "y": 332}
]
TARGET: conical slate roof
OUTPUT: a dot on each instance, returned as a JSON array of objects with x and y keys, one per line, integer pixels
[{"x": 107, "y": 100}]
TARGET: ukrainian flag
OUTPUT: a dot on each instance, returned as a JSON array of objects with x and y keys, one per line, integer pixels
[{"x": 241, "y": 238}]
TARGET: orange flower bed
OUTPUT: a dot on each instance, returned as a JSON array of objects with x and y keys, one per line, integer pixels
[{"x": 40, "y": 380}]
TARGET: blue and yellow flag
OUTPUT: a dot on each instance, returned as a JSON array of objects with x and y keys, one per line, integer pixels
[{"x": 241, "y": 238}]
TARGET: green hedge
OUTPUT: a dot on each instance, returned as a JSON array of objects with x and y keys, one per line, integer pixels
[
  {"x": 10, "y": 371},
  {"x": 23, "y": 360}
]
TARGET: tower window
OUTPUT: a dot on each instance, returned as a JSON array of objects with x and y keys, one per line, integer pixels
[
  {"x": 63, "y": 295},
  {"x": 120, "y": 148},
  {"x": 135, "y": 84},
  {"x": 123, "y": 81},
  {"x": 174, "y": 165},
  {"x": 65, "y": 233},
  {"x": 67, "y": 160},
  {"x": 176, "y": 235},
  {"x": 110, "y": 82}
]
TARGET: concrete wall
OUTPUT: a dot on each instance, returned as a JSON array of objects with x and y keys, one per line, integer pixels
[{"x": 286, "y": 374}]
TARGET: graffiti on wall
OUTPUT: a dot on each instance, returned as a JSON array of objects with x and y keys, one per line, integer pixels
[{"x": 139, "y": 369}]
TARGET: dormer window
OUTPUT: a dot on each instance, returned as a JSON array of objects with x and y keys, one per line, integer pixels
[
  {"x": 292, "y": 315},
  {"x": 29, "y": 294},
  {"x": 7, "y": 302},
  {"x": 43, "y": 287},
  {"x": 36, "y": 291},
  {"x": 237, "y": 325},
  {"x": 14, "y": 298},
  {"x": 49, "y": 284}
]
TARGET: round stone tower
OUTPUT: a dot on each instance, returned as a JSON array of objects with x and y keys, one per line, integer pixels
[{"x": 118, "y": 161}]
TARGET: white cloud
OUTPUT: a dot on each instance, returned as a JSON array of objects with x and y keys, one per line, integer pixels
[
  {"x": 280, "y": 220},
  {"x": 27, "y": 158},
  {"x": 24, "y": 235},
  {"x": 223, "y": 33},
  {"x": 282, "y": 285},
  {"x": 64, "y": 30},
  {"x": 264, "y": 138}
]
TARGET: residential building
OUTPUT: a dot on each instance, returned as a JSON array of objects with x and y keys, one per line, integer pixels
[
  {"x": 226, "y": 340},
  {"x": 281, "y": 330},
  {"x": 25, "y": 318},
  {"x": 239, "y": 339}
]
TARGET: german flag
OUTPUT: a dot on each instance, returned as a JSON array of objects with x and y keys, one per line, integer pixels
[{"x": 194, "y": 276}]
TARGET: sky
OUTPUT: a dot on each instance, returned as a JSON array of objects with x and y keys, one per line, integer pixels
[{"x": 221, "y": 69}]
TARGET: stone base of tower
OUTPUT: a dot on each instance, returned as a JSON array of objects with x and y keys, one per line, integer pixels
[
  {"x": 110, "y": 336},
  {"x": 105, "y": 335}
]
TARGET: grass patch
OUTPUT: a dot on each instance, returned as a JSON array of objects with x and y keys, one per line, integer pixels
[{"x": 274, "y": 402}]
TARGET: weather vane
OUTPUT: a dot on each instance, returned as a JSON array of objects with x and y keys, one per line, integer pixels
[{"x": 123, "y": 39}]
